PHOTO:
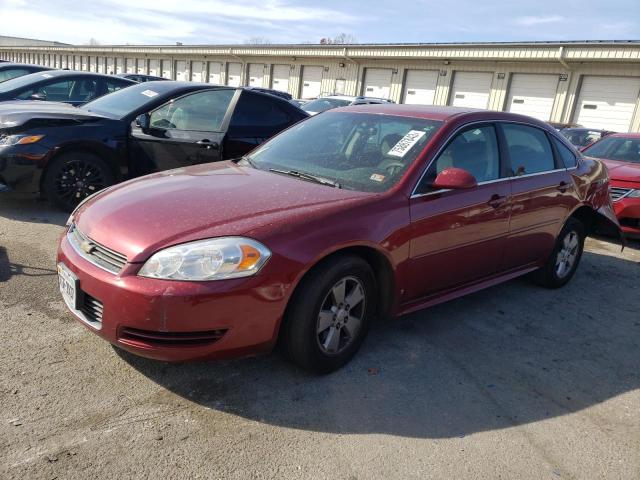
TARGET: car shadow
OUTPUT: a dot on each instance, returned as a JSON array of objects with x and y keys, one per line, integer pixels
[
  {"x": 9, "y": 269},
  {"x": 30, "y": 209},
  {"x": 510, "y": 355}
]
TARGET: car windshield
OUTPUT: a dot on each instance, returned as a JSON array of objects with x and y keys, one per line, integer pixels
[
  {"x": 616, "y": 148},
  {"x": 580, "y": 137},
  {"x": 121, "y": 103},
  {"x": 324, "y": 104},
  {"x": 358, "y": 151},
  {"x": 17, "y": 78}
]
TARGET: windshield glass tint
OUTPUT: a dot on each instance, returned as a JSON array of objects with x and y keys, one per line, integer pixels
[
  {"x": 17, "y": 78},
  {"x": 324, "y": 104},
  {"x": 365, "y": 152},
  {"x": 119, "y": 104},
  {"x": 581, "y": 138},
  {"x": 616, "y": 148}
]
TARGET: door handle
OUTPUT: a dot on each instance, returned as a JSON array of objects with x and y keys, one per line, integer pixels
[
  {"x": 496, "y": 200},
  {"x": 563, "y": 186},
  {"x": 208, "y": 144}
]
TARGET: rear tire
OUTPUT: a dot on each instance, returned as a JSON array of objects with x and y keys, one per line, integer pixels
[
  {"x": 563, "y": 262},
  {"x": 330, "y": 314},
  {"x": 73, "y": 176}
]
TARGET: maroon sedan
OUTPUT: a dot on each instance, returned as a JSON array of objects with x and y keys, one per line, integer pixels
[
  {"x": 621, "y": 154},
  {"x": 356, "y": 213}
]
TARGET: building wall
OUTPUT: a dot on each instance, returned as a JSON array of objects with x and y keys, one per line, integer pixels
[{"x": 348, "y": 64}]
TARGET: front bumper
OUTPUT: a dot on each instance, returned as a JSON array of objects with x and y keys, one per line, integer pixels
[
  {"x": 628, "y": 213},
  {"x": 21, "y": 167},
  {"x": 177, "y": 321}
]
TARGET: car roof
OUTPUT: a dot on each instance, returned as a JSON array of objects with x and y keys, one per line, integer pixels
[
  {"x": 415, "y": 111},
  {"x": 17, "y": 65},
  {"x": 68, "y": 73},
  {"x": 625, "y": 135}
]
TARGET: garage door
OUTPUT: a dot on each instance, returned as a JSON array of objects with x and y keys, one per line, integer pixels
[
  {"x": 607, "y": 102},
  {"x": 377, "y": 82},
  {"x": 154, "y": 67},
  {"x": 234, "y": 73},
  {"x": 197, "y": 71},
  {"x": 471, "y": 89},
  {"x": 142, "y": 66},
  {"x": 182, "y": 74},
  {"x": 533, "y": 95},
  {"x": 166, "y": 68},
  {"x": 130, "y": 65},
  {"x": 311, "y": 81},
  {"x": 420, "y": 87},
  {"x": 215, "y": 68},
  {"x": 256, "y": 74},
  {"x": 280, "y": 80}
]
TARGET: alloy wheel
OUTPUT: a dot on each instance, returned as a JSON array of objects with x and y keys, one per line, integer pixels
[
  {"x": 567, "y": 255},
  {"x": 341, "y": 315},
  {"x": 77, "y": 180}
]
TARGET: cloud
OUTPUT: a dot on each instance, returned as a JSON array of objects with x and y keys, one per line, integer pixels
[{"x": 535, "y": 20}]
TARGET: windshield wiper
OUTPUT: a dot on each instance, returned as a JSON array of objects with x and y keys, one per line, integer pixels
[{"x": 307, "y": 176}]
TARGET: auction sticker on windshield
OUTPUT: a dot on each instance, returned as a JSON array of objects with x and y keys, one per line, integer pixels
[
  {"x": 406, "y": 143},
  {"x": 149, "y": 93}
]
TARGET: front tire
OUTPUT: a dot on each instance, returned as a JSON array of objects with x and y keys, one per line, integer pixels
[
  {"x": 330, "y": 314},
  {"x": 73, "y": 176},
  {"x": 563, "y": 262}
]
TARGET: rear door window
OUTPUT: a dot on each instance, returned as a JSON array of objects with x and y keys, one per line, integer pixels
[
  {"x": 529, "y": 149},
  {"x": 566, "y": 155},
  {"x": 255, "y": 109}
]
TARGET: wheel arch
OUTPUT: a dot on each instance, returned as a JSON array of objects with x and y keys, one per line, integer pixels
[
  {"x": 382, "y": 269},
  {"x": 596, "y": 220}
]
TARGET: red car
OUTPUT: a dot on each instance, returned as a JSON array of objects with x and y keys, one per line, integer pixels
[
  {"x": 360, "y": 212},
  {"x": 621, "y": 154}
]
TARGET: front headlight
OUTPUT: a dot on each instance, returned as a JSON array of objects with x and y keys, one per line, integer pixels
[
  {"x": 19, "y": 140},
  {"x": 214, "y": 259},
  {"x": 634, "y": 194}
]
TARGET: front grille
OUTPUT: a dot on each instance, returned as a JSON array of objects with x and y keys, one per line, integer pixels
[
  {"x": 91, "y": 308},
  {"x": 97, "y": 254},
  {"x": 146, "y": 338},
  {"x": 618, "y": 192}
]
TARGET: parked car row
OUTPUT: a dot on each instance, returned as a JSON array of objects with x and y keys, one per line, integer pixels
[{"x": 70, "y": 153}]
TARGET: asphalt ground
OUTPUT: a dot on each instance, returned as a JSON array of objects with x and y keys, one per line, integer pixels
[{"x": 511, "y": 382}]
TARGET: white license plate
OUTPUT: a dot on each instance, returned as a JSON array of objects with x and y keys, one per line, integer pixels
[{"x": 68, "y": 286}]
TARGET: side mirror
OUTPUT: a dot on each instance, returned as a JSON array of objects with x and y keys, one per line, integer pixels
[
  {"x": 38, "y": 96},
  {"x": 455, "y": 179},
  {"x": 144, "y": 121}
]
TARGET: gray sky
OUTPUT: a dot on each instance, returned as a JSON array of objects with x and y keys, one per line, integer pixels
[{"x": 295, "y": 21}]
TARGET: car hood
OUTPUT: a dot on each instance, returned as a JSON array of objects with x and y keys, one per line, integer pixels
[
  {"x": 624, "y": 171},
  {"x": 18, "y": 112},
  {"x": 141, "y": 216}
]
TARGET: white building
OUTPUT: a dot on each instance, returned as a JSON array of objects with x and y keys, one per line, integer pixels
[{"x": 594, "y": 83}]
